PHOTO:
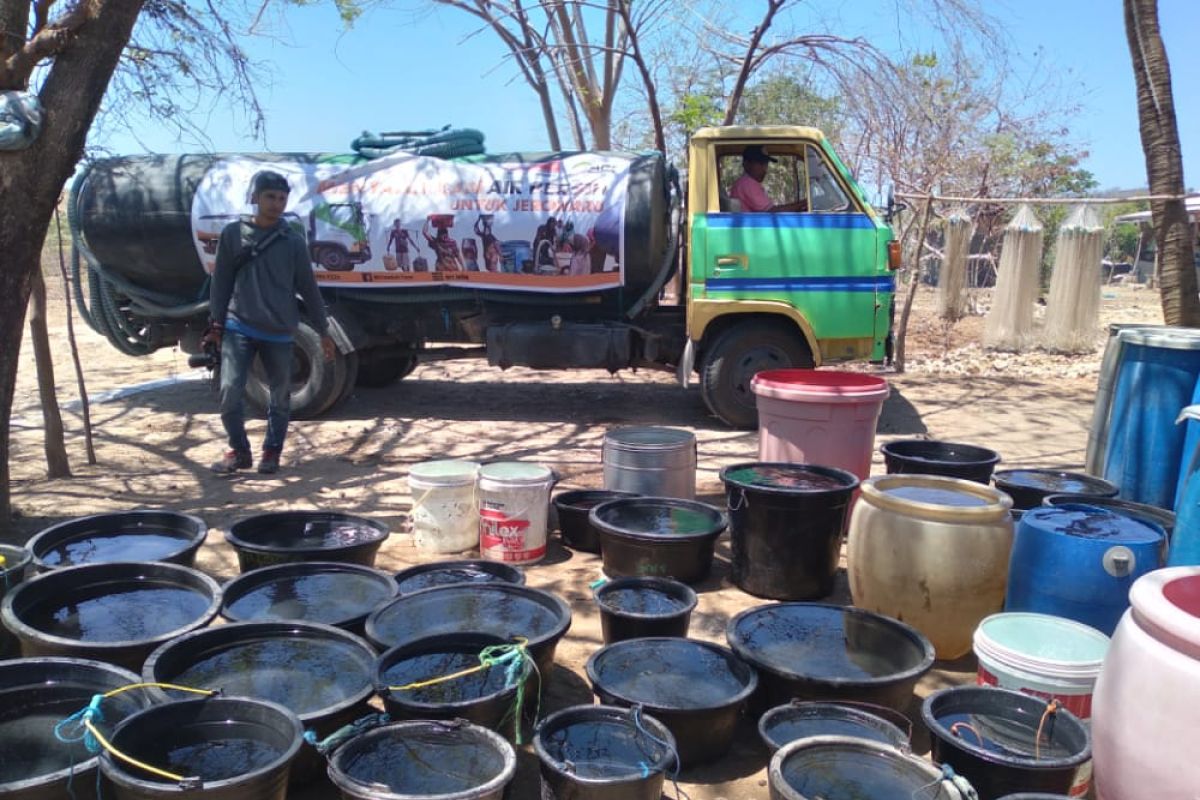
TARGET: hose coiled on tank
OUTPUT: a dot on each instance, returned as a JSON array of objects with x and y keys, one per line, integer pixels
[
  {"x": 108, "y": 293},
  {"x": 444, "y": 143}
]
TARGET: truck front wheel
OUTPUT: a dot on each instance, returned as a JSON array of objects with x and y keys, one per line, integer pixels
[
  {"x": 316, "y": 383},
  {"x": 734, "y": 357}
]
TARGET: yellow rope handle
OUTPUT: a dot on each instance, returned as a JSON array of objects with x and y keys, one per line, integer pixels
[
  {"x": 107, "y": 745},
  {"x": 520, "y": 641},
  {"x": 177, "y": 687}
]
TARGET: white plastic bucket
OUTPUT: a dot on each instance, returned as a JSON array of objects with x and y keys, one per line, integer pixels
[
  {"x": 514, "y": 503},
  {"x": 1041, "y": 655},
  {"x": 445, "y": 515}
]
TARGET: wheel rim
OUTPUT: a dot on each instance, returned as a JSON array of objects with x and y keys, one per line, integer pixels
[
  {"x": 333, "y": 259},
  {"x": 750, "y": 364}
]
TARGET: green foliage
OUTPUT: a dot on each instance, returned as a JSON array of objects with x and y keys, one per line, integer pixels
[
  {"x": 348, "y": 10},
  {"x": 694, "y": 110},
  {"x": 783, "y": 100}
]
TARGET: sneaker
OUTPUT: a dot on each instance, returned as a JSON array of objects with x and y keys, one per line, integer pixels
[
  {"x": 232, "y": 461},
  {"x": 269, "y": 463}
]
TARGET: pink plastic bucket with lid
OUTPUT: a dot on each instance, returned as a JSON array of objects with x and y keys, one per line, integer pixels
[{"x": 824, "y": 417}]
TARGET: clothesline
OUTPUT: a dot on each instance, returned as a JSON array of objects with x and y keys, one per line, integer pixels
[{"x": 1147, "y": 198}]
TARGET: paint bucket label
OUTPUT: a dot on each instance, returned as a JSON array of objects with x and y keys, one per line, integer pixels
[
  {"x": 1078, "y": 704},
  {"x": 508, "y": 538}
]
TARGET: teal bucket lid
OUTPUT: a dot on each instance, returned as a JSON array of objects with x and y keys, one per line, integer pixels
[
  {"x": 1045, "y": 638},
  {"x": 444, "y": 472},
  {"x": 517, "y": 472}
]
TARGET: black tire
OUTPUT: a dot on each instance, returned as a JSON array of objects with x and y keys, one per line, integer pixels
[
  {"x": 334, "y": 259},
  {"x": 316, "y": 383},
  {"x": 734, "y": 357},
  {"x": 378, "y": 371}
]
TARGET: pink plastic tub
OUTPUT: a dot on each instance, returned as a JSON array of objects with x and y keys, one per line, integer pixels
[{"x": 811, "y": 416}]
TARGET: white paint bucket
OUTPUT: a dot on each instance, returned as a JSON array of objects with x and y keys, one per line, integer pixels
[
  {"x": 445, "y": 515},
  {"x": 514, "y": 503}
]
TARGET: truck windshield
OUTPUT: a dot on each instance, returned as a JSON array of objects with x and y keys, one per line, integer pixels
[{"x": 824, "y": 191}]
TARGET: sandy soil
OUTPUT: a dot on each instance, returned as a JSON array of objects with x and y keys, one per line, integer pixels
[{"x": 154, "y": 446}]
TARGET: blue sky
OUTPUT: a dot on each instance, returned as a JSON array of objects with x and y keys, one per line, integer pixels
[{"x": 393, "y": 71}]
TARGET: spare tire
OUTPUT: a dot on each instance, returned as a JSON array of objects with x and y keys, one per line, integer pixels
[{"x": 316, "y": 383}]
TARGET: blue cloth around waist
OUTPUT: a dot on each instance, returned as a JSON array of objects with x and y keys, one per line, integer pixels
[{"x": 234, "y": 324}]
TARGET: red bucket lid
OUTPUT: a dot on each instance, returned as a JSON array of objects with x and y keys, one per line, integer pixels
[{"x": 819, "y": 384}]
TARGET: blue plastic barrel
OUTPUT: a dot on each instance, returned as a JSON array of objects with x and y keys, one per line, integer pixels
[
  {"x": 1110, "y": 364},
  {"x": 1155, "y": 379},
  {"x": 1078, "y": 561},
  {"x": 1185, "y": 545}
]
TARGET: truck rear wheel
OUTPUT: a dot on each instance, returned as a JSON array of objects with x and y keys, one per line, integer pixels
[
  {"x": 316, "y": 383},
  {"x": 383, "y": 369},
  {"x": 734, "y": 357}
]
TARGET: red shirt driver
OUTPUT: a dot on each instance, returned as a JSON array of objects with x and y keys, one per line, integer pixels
[{"x": 748, "y": 189}]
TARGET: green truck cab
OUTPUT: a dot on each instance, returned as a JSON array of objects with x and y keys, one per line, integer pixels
[{"x": 773, "y": 289}]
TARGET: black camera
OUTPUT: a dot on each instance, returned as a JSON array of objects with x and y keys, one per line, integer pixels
[{"x": 208, "y": 358}]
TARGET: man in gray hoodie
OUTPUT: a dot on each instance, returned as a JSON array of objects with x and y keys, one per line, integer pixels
[{"x": 262, "y": 265}]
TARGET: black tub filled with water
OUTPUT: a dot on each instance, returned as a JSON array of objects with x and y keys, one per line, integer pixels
[
  {"x": 117, "y": 612},
  {"x": 573, "y": 508},
  {"x": 814, "y": 651},
  {"x": 786, "y": 523},
  {"x": 327, "y": 592},
  {"x": 931, "y": 457},
  {"x": 1004, "y": 741},
  {"x": 447, "y": 573},
  {"x": 122, "y": 536},
  {"x": 697, "y": 689},
  {"x": 1028, "y": 488},
  {"x": 446, "y": 760},
  {"x": 237, "y": 748},
  {"x": 321, "y": 673},
  {"x": 35, "y": 695},
  {"x": 799, "y": 720},
  {"x": 487, "y": 697},
  {"x": 287, "y": 537},
  {"x": 14, "y": 567},
  {"x": 657, "y": 536},
  {"x": 500, "y": 609},
  {"x": 846, "y": 768},
  {"x": 633, "y": 608},
  {"x": 603, "y": 753}
]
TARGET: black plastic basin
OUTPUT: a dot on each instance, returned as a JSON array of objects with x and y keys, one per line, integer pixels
[
  {"x": 815, "y": 651},
  {"x": 1139, "y": 511},
  {"x": 573, "y": 508},
  {"x": 633, "y": 608},
  {"x": 501, "y": 609},
  {"x": 446, "y": 573},
  {"x": 599, "y": 753},
  {"x": 287, "y": 537},
  {"x": 13, "y": 570},
  {"x": 987, "y": 735},
  {"x": 798, "y": 720},
  {"x": 931, "y": 457},
  {"x": 452, "y": 760},
  {"x": 786, "y": 524},
  {"x": 116, "y": 612},
  {"x": 847, "y": 768},
  {"x": 321, "y": 673},
  {"x": 697, "y": 689},
  {"x": 1028, "y": 488},
  {"x": 657, "y": 536},
  {"x": 35, "y": 694},
  {"x": 237, "y": 747},
  {"x": 319, "y": 591},
  {"x": 124, "y": 536},
  {"x": 487, "y": 698}
]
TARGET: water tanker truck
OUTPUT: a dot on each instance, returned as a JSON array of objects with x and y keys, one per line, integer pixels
[{"x": 549, "y": 261}]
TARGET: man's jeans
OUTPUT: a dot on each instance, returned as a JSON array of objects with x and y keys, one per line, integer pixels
[{"x": 237, "y": 354}]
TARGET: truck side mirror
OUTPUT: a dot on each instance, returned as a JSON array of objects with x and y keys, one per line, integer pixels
[{"x": 892, "y": 208}]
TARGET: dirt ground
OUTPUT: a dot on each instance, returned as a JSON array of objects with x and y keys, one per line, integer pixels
[{"x": 156, "y": 431}]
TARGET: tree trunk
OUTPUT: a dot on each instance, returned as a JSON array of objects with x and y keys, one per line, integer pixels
[
  {"x": 84, "y": 405},
  {"x": 900, "y": 355},
  {"x": 1164, "y": 163},
  {"x": 57, "y": 465},
  {"x": 31, "y": 180}
]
